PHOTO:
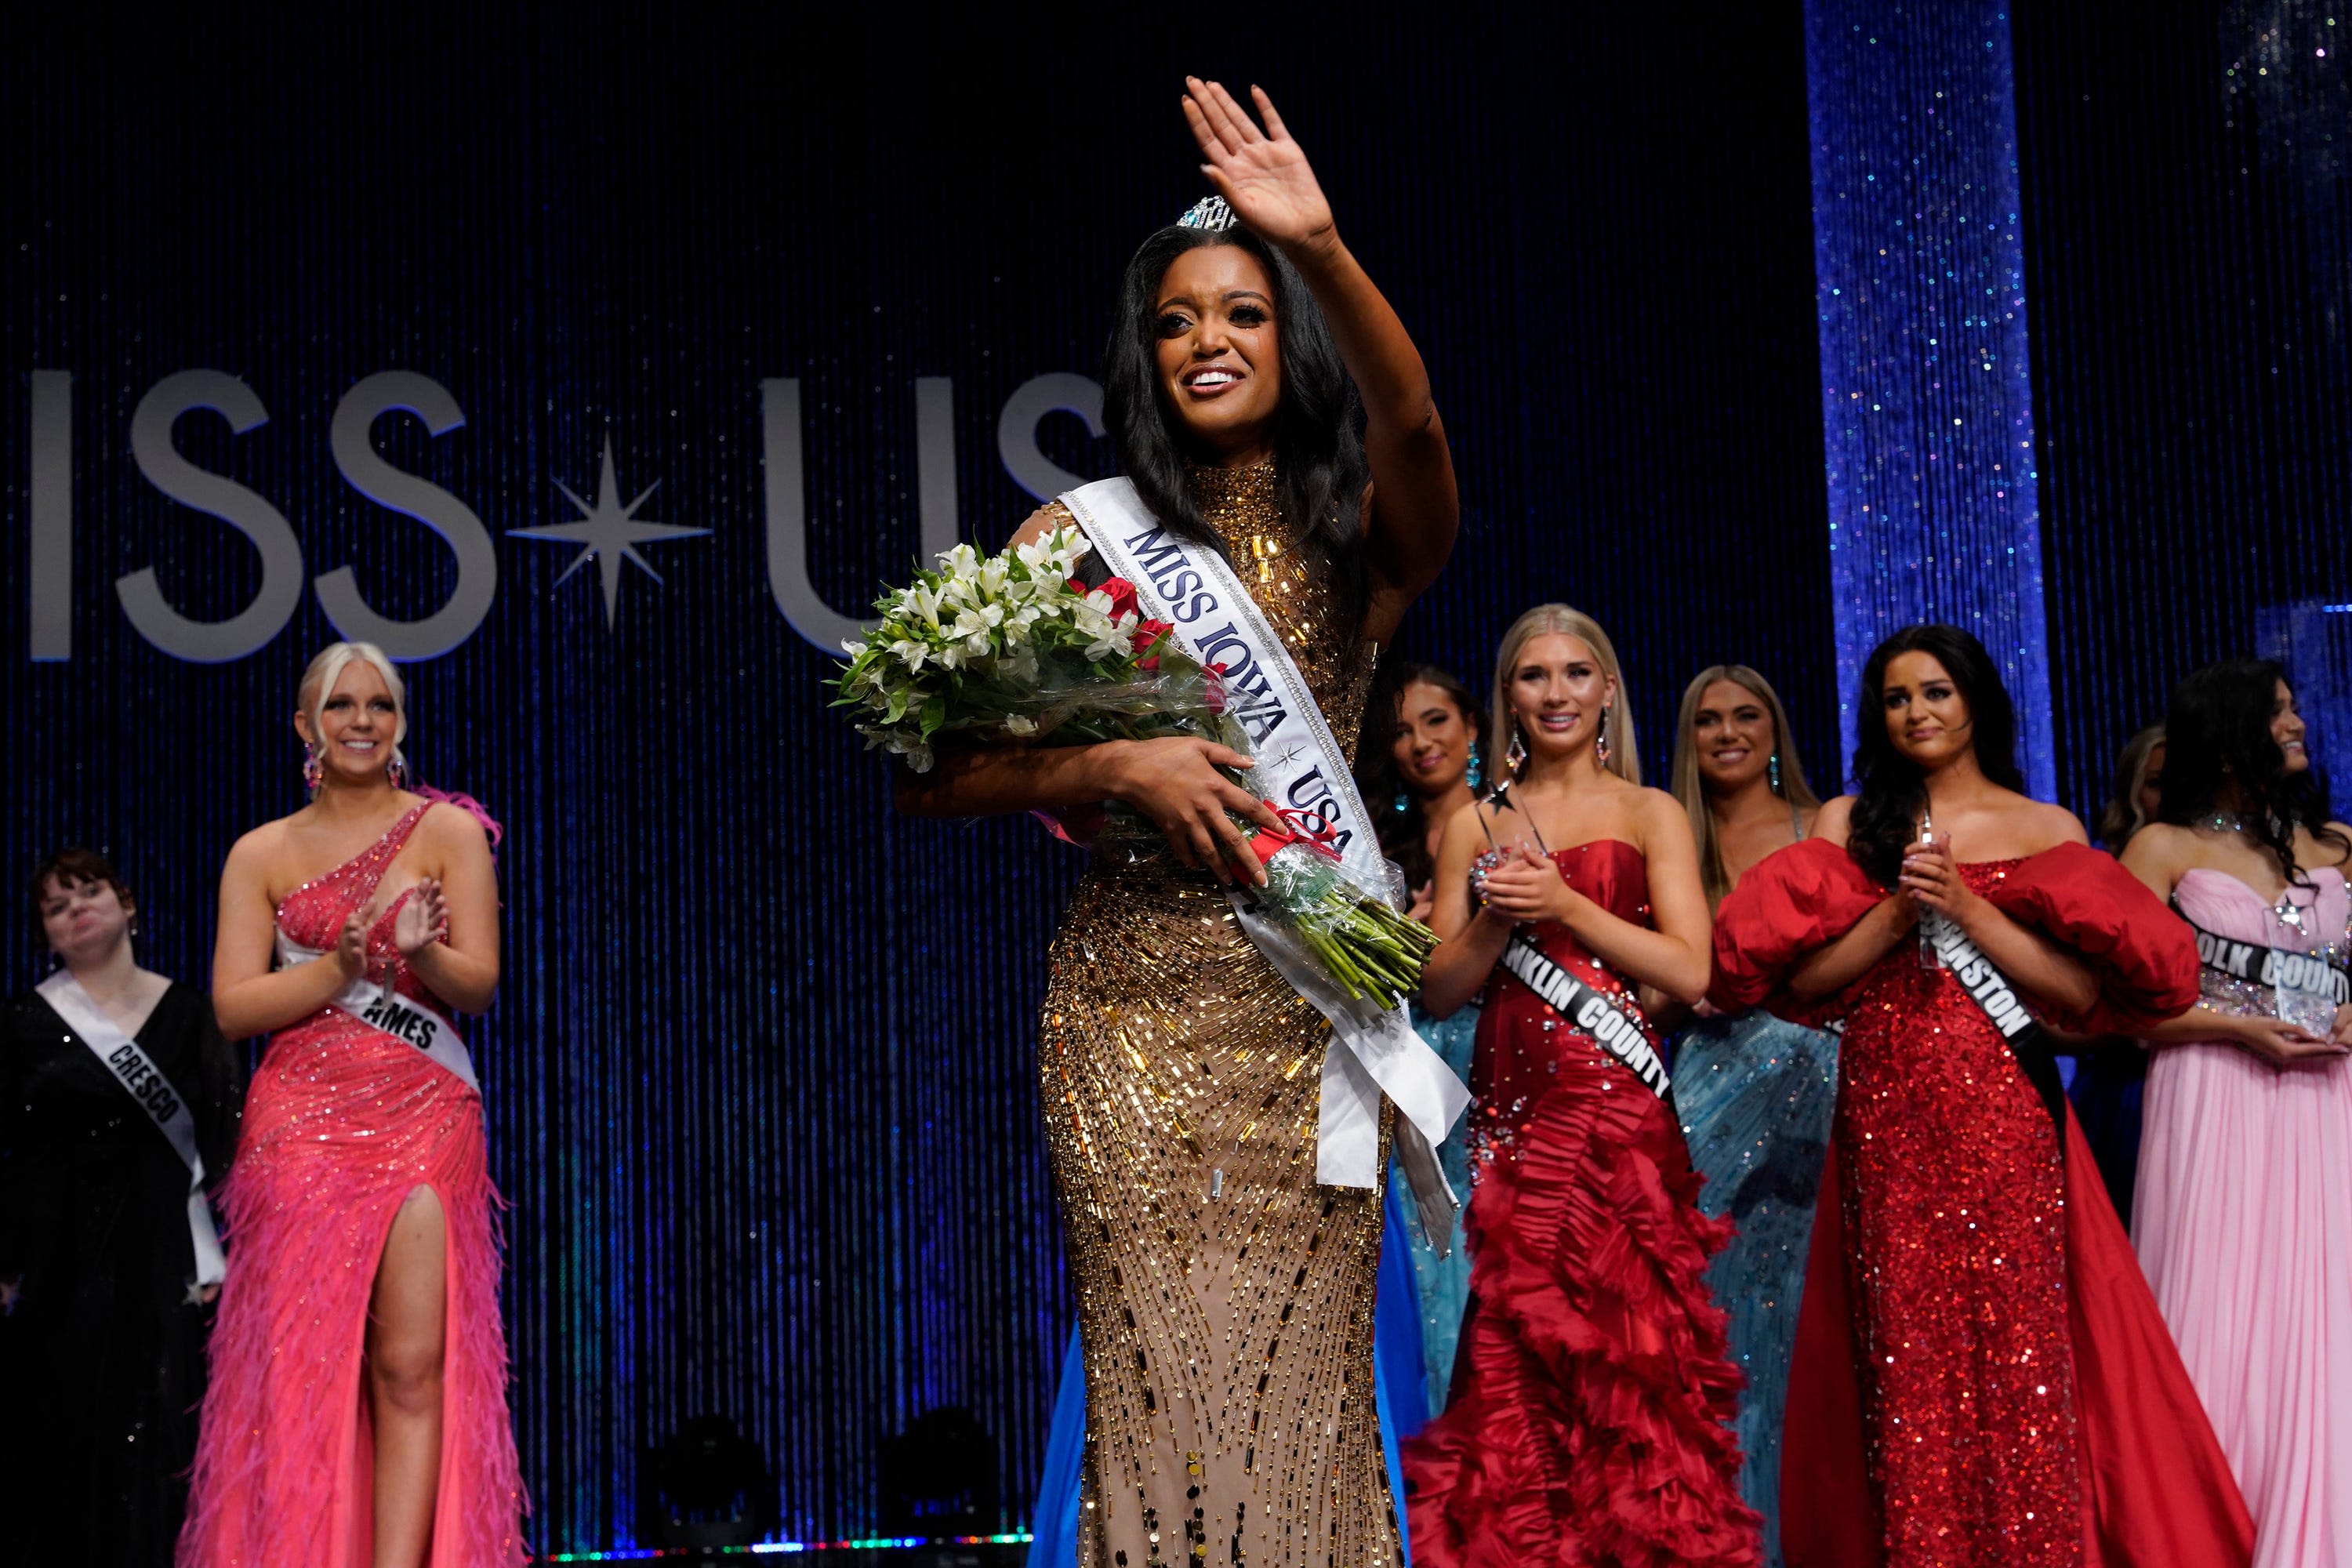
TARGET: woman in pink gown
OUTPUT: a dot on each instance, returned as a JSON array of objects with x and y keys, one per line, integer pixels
[
  {"x": 357, "y": 1410},
  {"x": 2243, "y": 1220}
]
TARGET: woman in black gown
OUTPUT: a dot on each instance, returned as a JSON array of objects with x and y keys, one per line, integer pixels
[{"x": 102, "y": 1315}]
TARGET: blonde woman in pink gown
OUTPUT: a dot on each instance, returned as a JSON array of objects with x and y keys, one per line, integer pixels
[
  {"x": 357, "y": 1416},
  {"x": 2243, "y": 1218}
]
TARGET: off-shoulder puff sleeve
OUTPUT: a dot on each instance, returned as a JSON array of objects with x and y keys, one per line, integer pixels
[
  {"x": 1789, "y": 906},
  {"x": 2141, "y": 953}
]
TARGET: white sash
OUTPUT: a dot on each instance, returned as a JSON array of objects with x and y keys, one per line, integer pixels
[
  {"x": 388, "y": 1012},
  {"x": 141, "y": 1079},
  {"x": 1985, "y": 985},
  {"x": 1588, "y": 1010},
  {"x": 1299, "y": 766}
]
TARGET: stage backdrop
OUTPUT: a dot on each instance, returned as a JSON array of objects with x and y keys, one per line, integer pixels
[
  {"x": 567, "y": 353},
  {"x": 594, "y": 359}
]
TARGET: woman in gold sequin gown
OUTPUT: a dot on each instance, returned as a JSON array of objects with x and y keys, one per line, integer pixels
[{"x": 1224, "y": 1298}]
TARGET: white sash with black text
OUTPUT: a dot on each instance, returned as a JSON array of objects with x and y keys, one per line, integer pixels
[
  {"x": 1986, "y": 986},
  {"x": 1299, "y": 766},
  {"x": 1588, "y": 1010},
  {"x": 388, "y": 1012},
  {"x": 144, "y": 1082}
]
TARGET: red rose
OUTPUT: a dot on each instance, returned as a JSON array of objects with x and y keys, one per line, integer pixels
[
  {"x": 1146, "y": 642},
  {"x": 1122, "y": 596}
]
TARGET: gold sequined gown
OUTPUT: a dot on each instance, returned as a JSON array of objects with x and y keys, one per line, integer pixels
[{"x": 1224, "y": 1298}]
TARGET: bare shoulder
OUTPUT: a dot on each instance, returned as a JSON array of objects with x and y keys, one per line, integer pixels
[
  {"x": 2161, "y": 841},
  {"x": 2051, "y": 825},
  {"x": 1042, "y": 521},
  {"x": 1834, "y": 821},
  {"x": 2343, "y": 849},
  {"x": 2160, "y": 849},
  {"x": 450, "y": 829},
  {"x": 1463, "y": 826},
  {"x": 1660, "y": 817},
  {"x": 256, "y": 851}
]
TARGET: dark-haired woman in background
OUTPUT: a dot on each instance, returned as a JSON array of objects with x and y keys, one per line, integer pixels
[
  {"x": 2246, "y": 1174},
  {"x": 1754, "y": 1092},
  {"x": 1981, "y": 1376},
  {"x": 1430, "y": 769},
  {"x": 1225, "y": 1281},
  {"x": 2136, "y": 794},
  {"x": 1591, "y": 1396},
  {"x": 2111, "y": 1073},
  {"x": 107, "y": 1256}
]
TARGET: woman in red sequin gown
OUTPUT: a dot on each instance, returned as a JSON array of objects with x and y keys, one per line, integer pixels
[
  {"x": 1587, "y": 1424},
  {"x": 1981, "y": 1376},
  {"x": 357, "y": 1410}
]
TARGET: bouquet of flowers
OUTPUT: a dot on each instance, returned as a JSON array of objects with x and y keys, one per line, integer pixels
[{"x": 1012, "y": 648}]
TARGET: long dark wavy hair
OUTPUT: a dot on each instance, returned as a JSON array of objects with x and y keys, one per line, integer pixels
[
  {"x": 2217, "y": 732},
  {"x": 1404, "y": 835},
  {"x": 1891, "y": 790},
  {"x": 1319, "y": 450}
]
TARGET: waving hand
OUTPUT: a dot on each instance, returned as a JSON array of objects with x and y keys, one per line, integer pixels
[{"x": 1263, "y": 176}]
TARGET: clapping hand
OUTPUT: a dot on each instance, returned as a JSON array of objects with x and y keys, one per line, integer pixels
[
  {"x": 1527, "y": 886},
  {"x": 1933, "y": 878},
  {"x": 1263, "y": 176},
  {"x": 350, "y": 946},
  {"x": 422, "y": 920}
]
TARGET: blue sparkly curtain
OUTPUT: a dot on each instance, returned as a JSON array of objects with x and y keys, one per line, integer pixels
[
  {"x": 1927, "y": 383},
  {"x": 759, "y": 1077},
  {"x": 2187, "y": 185}
]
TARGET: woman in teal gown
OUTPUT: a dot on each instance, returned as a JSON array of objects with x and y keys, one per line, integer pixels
[
  {"x": 1754, "y": 1092},
  {"x": 1428, "y": 769}
]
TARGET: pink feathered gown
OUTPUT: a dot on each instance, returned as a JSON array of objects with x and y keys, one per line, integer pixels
[{"x": 344, "y": 1121}]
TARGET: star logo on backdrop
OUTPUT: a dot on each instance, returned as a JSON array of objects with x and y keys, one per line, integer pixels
[{"x": 608, "y": 531}]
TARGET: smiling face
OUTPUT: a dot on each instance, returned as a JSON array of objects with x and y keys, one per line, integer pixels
[
  {"x": 1217, "y": 351},
  {"x": 2286, "y": 728},
  {"x": 83, "y": 920},
  {"x": 1733, "y": 736},
  {"x": 1927, "y": 717},
  {"x": 1432, "y": 747},
  {"x": 356, "y": 726},
  {"x": 1557, "y": 693}
]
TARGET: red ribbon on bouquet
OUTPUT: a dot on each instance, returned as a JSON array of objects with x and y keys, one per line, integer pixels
[{"x": 1320, "y": 838}]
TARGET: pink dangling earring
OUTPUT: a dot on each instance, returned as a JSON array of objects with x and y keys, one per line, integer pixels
[
  {"x": 397, "y": 774},
  {"x": 314, "y": 772},
  {"x": 1601, "y": 737}
]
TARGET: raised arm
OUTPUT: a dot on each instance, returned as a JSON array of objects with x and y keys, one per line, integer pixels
[
  {"x": 1676, "y": 957},
  {"x": 2038, "y": 965},
  {"x": 1470, "y": 941},
  {"x": 1838, "y": 965},
  {"x": 449, "y": 929},
  {"x": 1264, "y": 177},
  {"x": 248, "y": 997}
]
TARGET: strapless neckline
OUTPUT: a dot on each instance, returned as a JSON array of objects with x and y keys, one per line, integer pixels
[{"x": 2240, "y": 888}]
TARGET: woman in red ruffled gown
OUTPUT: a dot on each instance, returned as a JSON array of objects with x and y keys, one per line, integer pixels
[
  {"x": 1587, "y": 1424},
  {"x": 1982, "y": 1375},
  {"x": 357, "y": 1416}
]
